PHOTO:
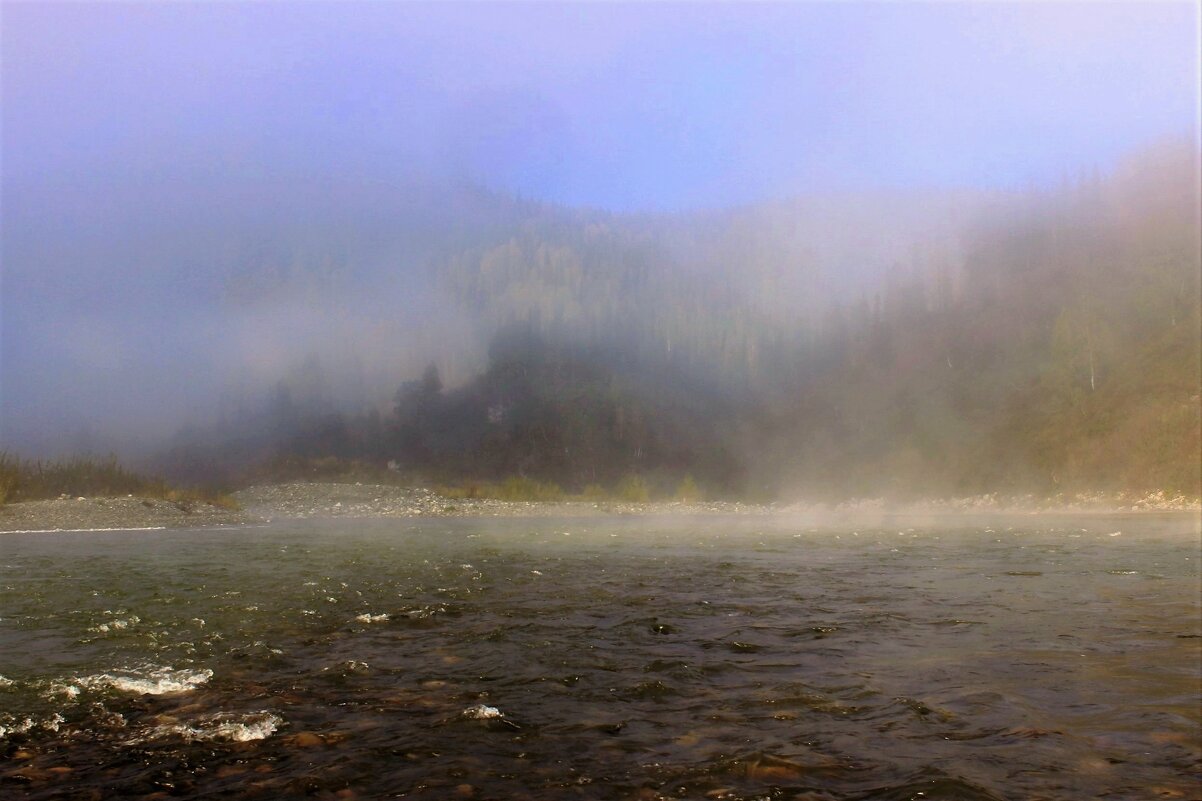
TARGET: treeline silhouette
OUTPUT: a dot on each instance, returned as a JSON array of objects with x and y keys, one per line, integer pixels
[{"x": 1048, "y": 341}]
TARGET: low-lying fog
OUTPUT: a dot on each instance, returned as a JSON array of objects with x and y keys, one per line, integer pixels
[{"x": 767, "y": 246}]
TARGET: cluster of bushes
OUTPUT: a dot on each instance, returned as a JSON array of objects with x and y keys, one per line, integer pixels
[
  {"x": 9, "y": 477},
  {"x": 514, "y": 488},
  {"x": 25, "y": 480},
  {"x": 631, "y": 488}
]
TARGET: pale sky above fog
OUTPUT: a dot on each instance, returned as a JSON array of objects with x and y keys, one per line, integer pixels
[{"x": 623, "y": 106}]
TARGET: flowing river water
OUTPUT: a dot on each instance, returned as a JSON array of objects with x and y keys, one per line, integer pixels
[{"x": 631, "y": 658}]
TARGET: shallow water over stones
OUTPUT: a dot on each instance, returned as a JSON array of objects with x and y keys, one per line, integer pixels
[{"x": 1036, "y": 657}]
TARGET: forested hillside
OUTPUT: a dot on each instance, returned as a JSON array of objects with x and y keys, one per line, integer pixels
[
  {"x": 1066, "y": 356},
  {"x": 1039, "y": 341}
]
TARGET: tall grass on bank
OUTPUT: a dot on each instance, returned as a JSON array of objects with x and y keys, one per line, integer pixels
[
  {"x": 514, "y": 488},
  {"x": 28, "y": 480},
  {"x": 10, "y": 473},
  {"x": 631, "y": 488}
]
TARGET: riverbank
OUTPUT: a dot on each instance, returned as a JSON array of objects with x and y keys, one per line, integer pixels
[
  {"x": 305, "y": 500},
  {"x": 321, "y": 500},
  {"x": 299, "y": 501},
  {"x": 78, "y": 513}
]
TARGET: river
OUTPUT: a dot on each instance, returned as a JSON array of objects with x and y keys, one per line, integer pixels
[{"x": 1038, "y": 657}]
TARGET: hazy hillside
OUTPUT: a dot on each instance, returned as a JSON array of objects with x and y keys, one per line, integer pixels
[
  {"x": 1065, "y": 357},
  {"x": 1038, "y": 341}
]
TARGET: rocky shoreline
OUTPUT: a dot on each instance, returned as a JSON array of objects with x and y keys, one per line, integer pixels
[
  {"x": 128, "y": 512},
  {"x": 299, "y": 501}
]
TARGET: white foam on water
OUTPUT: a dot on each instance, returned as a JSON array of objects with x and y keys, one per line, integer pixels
[
  {"x": 482, "y": 712},
  {"x": 368, "y": 617},
  {"x": 16, "y": 727},
  {"x": 60, "y": 688},
  {"x": 151, "y": 681},
  {"x": 6, "y": 682},
  {"x": 10, "y": 725},
  {"x": 116, "y": 625},
  {"x": 270, "y": 650},
  {"x": 230, "y": 727},
  {"x": 425, "y": 612}
]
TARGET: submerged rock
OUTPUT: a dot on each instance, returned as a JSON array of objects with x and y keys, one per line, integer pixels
[
  {"x": 772, "y": 769},
  {"x": 306, "y": 739}
]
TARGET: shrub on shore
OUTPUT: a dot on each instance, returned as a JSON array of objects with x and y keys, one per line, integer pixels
[
  {"x": 595, "y": 492},
  {"x": 9, "y": 473},
  {"x": 633, "y": 489},
  {"x": 520, "y": 488},
  {"x": 514, "y": 488},
  {"x": 687, "y": 490},
  {"x": 26, "y": 480}
]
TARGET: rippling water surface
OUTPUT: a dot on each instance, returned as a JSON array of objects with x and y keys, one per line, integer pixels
[{"x": 1027, "y": 658}]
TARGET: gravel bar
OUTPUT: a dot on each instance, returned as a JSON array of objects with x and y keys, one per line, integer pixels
[{"x": 311, "y": 500}]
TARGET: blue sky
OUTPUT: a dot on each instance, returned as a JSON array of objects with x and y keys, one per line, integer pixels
[{"x": 621, "y": 106}]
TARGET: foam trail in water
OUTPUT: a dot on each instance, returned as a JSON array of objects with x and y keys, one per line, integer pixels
[
  {"x": 482, "y": 712},
  {"x": 116, "y": 625},
  {"x": 239, "y": 728},
  {"x": 12, "y": 725},
  {"x": 152, "y": 681},
  {"x": 368, "y": 617}
]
